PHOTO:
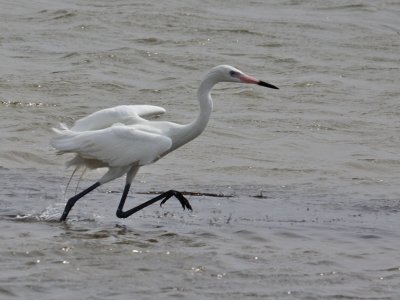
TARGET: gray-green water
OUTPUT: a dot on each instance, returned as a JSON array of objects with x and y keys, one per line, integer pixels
[{"x": 313, "y": 168}]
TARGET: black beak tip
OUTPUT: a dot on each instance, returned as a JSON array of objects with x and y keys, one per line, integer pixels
[{"x": 266, "y": 84}]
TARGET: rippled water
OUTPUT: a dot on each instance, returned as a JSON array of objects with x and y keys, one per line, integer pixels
[{"x": 310, "y": 173}]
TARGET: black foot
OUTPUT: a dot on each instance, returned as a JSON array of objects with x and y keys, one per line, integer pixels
[{"x": 178, "y": 195}]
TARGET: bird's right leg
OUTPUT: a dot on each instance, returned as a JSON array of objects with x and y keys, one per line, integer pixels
[
  {"x": 71, "y": 201},
  {"x": 110, "y": 175}
]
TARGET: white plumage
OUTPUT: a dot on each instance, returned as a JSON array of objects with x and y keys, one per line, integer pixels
[
  {"x": 115, "y": 137},
  {"x": 116, "y": 146},
  {"x": 125, "y": 114}
]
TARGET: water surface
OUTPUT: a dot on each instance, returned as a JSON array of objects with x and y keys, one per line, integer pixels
[{"x": 312, "y": 170}]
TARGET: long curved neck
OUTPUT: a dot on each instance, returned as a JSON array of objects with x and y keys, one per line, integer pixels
[
  {"x": 195, "y": 128},
  {"x": 206, "y": 106}
]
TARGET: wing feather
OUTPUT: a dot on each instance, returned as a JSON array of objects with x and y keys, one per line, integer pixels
[
  {"x": 125, "y": 114},
  {"x": 116, "y": 146}
]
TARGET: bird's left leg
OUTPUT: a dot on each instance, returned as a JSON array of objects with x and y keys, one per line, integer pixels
[{"x": 164, "y": 197}]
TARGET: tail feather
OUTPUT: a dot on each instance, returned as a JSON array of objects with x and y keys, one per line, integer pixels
[
  {"x": 62, "y": 127},
  {"x": 68, "y": 141},
  {"x": 62, "y": 142}
]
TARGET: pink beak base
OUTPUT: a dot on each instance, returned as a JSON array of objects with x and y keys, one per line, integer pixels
[{"x": 248, "y": 79}]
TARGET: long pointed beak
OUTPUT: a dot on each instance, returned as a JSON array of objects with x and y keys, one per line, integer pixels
[
  {"x": 268, "y": 85},
  {"x": 248, "y": 79}
]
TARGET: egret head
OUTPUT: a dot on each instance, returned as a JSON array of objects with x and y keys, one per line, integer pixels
[{"x": 230, "y": 74}]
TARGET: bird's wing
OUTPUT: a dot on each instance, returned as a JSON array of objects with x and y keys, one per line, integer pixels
[
  {"x": 147, "y": 110},
  {"x": 125, "y": 114},
  {"x": 117, "y": 146}
]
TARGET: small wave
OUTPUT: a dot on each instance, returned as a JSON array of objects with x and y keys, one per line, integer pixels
[
  {"x": 60, "y": 14},
  {"x": 50, "y": 215},
  {"x": 18, "y": 103},
  {"x": 34, "y": 217},
  {"x": 6, "y": 292},
  {"x": 22, "y": 157},
  {"x": 349, "y": 7}
]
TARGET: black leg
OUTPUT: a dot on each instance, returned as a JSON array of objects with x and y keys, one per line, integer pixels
[
  {"x": 164, "y": 197},
  {"x": 71, "y": 202}
]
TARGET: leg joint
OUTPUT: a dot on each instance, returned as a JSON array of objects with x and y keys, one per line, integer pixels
[{"x": 120, "y": 214}]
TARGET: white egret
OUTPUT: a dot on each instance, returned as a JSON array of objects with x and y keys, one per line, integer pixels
[{"x": 121, "y": 139}]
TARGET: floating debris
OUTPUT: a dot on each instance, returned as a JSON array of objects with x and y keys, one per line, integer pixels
[{"x": 197, "y": 194}]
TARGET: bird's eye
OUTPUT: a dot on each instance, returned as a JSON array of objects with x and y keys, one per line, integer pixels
[{"x": 233, "y": 73}]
